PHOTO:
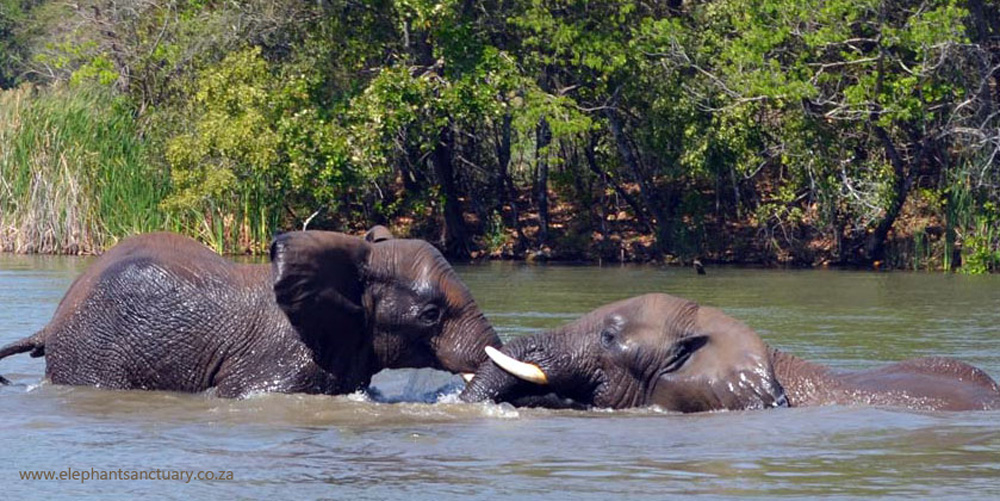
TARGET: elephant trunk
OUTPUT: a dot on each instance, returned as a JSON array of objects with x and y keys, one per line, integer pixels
[
  {"x": 494, "y": 380},
  {"x": 489, "y": 383},
  {"x": 462, "y": 345}
]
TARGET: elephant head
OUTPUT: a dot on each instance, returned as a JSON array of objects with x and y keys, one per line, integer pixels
[
  {"x": 397, "y": 299},
  {"x": 648, "y": 350}
]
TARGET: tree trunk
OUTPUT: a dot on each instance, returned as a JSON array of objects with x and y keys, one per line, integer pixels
[
  {"x": 504, "y": 184},
  {"x": 503, "y": 161},
  {"x": 902, "y": 183},
  {"x": 454, "y": 235},
  {"x": 543, "y": 137}
]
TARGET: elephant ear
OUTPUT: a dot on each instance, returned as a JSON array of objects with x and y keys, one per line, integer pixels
[
  {"x": 378, "y": 233},
  {"x": 318, "y": 280}
]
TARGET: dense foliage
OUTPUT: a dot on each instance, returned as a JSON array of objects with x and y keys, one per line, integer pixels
[{"x": 807, "y": 132}]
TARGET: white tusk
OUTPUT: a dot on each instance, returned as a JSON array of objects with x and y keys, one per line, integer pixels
[
  {"x": 467, "y": 376},
  {"x": 517, "y": 368}
]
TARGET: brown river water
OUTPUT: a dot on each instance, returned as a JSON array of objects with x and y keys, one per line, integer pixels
[{"x": 414, "y": 441}]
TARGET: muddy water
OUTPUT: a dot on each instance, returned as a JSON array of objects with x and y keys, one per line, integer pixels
[{"x": 351, "y": 447}]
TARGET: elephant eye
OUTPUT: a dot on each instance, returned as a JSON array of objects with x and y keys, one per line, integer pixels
[
  {"x": 607, "y": 338},
  {"x": 430, "y": 315}
]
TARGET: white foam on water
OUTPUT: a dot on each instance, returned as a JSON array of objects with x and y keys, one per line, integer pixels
[
  {"x": 450, "y": 398},
  {"x": 499, "y": 411},
  {"x": 358, "y": 396}
]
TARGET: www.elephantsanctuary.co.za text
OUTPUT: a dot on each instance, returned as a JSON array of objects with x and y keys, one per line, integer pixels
[{"x": 86, "y": 475}]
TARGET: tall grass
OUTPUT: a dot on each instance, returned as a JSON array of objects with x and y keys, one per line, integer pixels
[
  {"x": 921, "y": 250},
  {"x": 76, "y": 176},
  {"x": 240, "y": 225},
  {"x": 242, "y": 220},
  {"x": 75, "y": 172}
]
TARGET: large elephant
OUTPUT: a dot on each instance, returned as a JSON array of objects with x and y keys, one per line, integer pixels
[
  {"x": 164, "y": 312},
  {"x": 666, "y": 351}
]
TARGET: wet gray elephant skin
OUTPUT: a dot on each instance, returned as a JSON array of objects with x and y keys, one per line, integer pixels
[
  {"x": 930, "y": 383},
  {"x": 164, "y": 312},
  {"x": 666, "y": 351}
]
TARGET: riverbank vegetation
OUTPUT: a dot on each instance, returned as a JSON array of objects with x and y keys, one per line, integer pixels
[{"x": 855, "y": 132}]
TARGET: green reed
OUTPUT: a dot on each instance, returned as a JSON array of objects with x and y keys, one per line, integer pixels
[
  {"x": 921, "y": 250},
  {"x": 242, "y": 223}
]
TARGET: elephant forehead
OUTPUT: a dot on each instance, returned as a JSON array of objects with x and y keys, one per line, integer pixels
[
  {"x": 729, "y": 330},
  {"x": 418, "y": 266},
  {"x": 656, "y": 313},
  {"x": 654, "y": 306}
]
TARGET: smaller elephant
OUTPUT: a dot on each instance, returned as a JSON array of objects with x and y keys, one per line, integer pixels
[
  {"x": 164, "y": 312},
  {"x": 669, "y": 352},
  {"x": 648, "y": 350}
]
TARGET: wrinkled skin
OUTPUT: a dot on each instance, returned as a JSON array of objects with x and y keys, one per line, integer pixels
[
  {"x": 665, "y": 351},
  {"x": 163, "y": 312},
  {"x": 648, "y": 350}
]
